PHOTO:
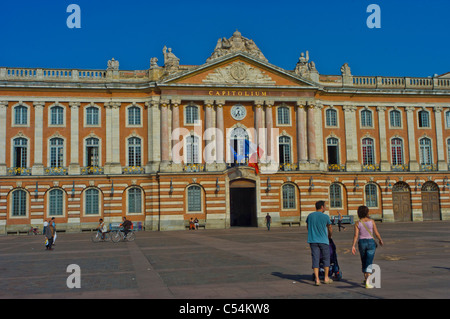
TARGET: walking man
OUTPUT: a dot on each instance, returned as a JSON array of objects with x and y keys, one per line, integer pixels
[
  {"x": 319, "y": 232},
  {"x": 268, "y": 221}
]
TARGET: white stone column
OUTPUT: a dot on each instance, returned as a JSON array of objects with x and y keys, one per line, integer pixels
[
  {"x": 113, "y": 142},
  {"x": 384, "y": 162},
  {"x": 413, "y": 164},
  {"x": 318, "y": 107},
  {"x": 351, "y": 141},
  {"x": 74, "y": 166},
  {"x": 209, "y": 136},
  {"x": 311, "y": 136},
  {"x": 441, "y": 164},
  {"x": 259, "y": 125},
  {"x": 3, "y": 109},
  {"x": 220, "y": 135},
  {"x": 116, "y": 142},
  {"x": 165, "y": 151},
  {"x": 153, "y": 136},
  {"x": 302, "y": 144},
  {"x": 38, "y": 165},
  {"x": 270, "y": 145}
]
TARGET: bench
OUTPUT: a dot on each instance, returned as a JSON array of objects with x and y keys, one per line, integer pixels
[
  {"x": 345, "y": 220},
  {"x": 199, "y": 226},
  {"x": 137, "y": 226},
  {"x": 290, "y": 223}
]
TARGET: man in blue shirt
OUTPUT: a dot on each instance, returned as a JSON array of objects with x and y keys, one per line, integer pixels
[{"x": 319, "y": 232}]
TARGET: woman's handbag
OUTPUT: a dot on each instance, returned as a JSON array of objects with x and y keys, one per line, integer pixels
[{"x": 376, "y": 245}]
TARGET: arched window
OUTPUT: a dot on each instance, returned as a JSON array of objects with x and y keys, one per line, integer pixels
[
  {"x": 283, "y": 115},
  {"x": 20, "y": 146},
  {"x": 19, "y": 203},
  {"x": 424, "y": 119},
  {"x": 335, "y": 196},
  {"x": 191, "y": 114},
  {"x": 239, "y": 141},
  {"x": 448, "y": 150},
  {"x": 134, "y": 115},
  {"x": 192, "y": 150},
  {"x": 194, "y": 198},
  {"x": 425, "y": 151},
  {"x": 395, "y": 118},
  {"x": 331, "y": 117},
  {"x": 366, "y": 118},
  {"x": 135, "y": 201},
  {"x": 333, "y": 150},
  {"x": 371, "y": 195},
  {"x": 92, "y": 116},
  {"x": 55, "y": 202},
  {"x": 57, "y": 115},
  {"x": 134, "y": 151},
  {"x": 20, "y": 115},
  {"x": 397, "y": 151},
  {"x": 92, "y": 200},
  {"x": 285, "y": 149},
  {"x": 288, "y": 191},
  {"x": 368, "y": 151},
  {"x": 56, "y": 152}
]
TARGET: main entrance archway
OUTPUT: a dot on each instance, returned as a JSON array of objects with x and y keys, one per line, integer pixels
[
  {"x": 430, "y": 201},
  {"x": 401, "y": 198},
  {"x": 243, "y": 203}
]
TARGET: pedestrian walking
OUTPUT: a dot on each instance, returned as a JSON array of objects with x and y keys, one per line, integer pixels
[
  {"x": 319, "y": 233},
  {"x": 365, "y": 229},
  {"x": 49, "y": 234},
  {"x": 268, "y": 221},
  {"x": 53, "y": 224},
  {"x": 340, "y": 218}
]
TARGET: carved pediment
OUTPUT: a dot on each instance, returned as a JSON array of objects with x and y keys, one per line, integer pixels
[{"x": 239, "y": 73}]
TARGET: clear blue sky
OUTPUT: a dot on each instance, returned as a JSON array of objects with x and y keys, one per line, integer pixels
[{"x": 413, "y": 39}]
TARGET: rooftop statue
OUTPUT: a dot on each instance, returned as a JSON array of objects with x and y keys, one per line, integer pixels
[
  {"x": 237, "y": 43},
  {"x": 171, "y": 62}
]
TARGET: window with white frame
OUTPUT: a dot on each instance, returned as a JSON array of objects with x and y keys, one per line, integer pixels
[
  {"x": 92, "y": 115},
  {"x": 134, "y": 115},
  {"x": 192, "y": 150},
  {"x": 395, "y": 118},
  {"x": 283, "y": 115},
  {"x": 425, "y": 151},
  {"x": 194, "y": 198},
  {"x": 447, "y": 119},
  {"x": 448, "y": 150},
  {"x": 134, "y": 151},
  {"x": 424, "y": 118},
  {"x": 135, "y": 200},
  {"x": 55, "y": 202},
  {"x": 397, "y": 151},
  {"x": 368, "y": 151},
  {"x": 19, "y": 203},
  {"x": 288, "y": 192},
  {"x": 331, "y": 117},
  {"x": 92, "y": 152},
  {"x": 285, "y": 149},
  {"x": 366, "y": 118},
  {"x": 191, "y": 114},
  {"x": 20, "y": 149},
  {"x": 20, "y": 115},
  {"x": 335, "y": 196},
  {"x": 57, "y": 115},
  {"x": 333, "y": 150},
  {"x": 371, "y": 195},
  {"x": 92, "y": 200},
  {"x": 56, "y": 152}
]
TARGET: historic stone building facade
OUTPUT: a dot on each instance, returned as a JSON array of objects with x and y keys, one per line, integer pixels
[{"x": 175, "y": 142}]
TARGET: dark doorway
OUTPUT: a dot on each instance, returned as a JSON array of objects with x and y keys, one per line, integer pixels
[
  {"x": 243, "y": 204},
  {"x": 401, "y": 198}
]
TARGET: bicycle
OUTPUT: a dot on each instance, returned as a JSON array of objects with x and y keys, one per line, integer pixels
[
  {"x": 119, "y": 235},
  {"x": 97, "y": 237}
]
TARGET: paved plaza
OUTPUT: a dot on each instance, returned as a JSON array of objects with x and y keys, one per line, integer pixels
[{"x": 237, "y": 263}]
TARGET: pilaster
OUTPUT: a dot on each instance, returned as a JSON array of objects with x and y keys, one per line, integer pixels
[
  {"x": 38, "y": 166},
  {"x": 3, "y": 110},
  {"x": 74, "y": 166}
]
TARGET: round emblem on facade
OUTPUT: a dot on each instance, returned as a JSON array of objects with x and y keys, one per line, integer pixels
[
  {"x": 238, "y": 72},
  {"x": 238, "y": 112}
]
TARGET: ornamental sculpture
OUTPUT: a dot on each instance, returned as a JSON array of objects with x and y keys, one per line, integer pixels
[{"x": 237, "y": 43}]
